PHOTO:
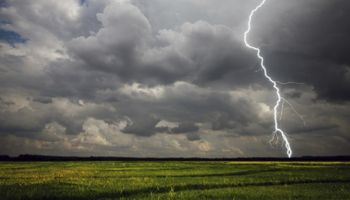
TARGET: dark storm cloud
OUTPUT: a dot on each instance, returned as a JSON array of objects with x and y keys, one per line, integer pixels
[
  {"x": 309, "y": 44},
  {"x": 142, "y": 125},
  {"x": 44, "y": 100},
  {"x": 99, "y": 73},
  {"x": 199, "y": 52},
  {"x": 188, "y": 104},
  {"x": 185, "y": 128},
  {"x": 72, "y": 79},
  {"x": 21, "y": 122},
  {"x": 314, "y": 129}
]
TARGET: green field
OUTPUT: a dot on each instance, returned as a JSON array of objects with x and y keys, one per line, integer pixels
[{"x": 174, "y": 180}]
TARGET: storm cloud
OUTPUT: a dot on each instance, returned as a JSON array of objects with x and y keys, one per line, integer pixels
[{"x": 171, "y": 78}]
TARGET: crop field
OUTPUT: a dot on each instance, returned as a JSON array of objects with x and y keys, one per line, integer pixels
[{"x": 174, "y": 180}]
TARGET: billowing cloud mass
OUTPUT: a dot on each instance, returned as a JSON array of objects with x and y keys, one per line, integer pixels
[{"x": 171, "y": 78}]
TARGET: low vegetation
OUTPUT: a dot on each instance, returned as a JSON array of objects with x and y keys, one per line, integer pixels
[{"x": 174, "y": 180}]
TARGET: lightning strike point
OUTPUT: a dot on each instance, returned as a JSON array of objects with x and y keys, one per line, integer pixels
[{"x": 277, "y": 130}]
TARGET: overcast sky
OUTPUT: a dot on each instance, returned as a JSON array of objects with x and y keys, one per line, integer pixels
[{"x": 172, "y": 78}]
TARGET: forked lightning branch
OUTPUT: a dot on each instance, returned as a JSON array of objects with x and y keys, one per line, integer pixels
[{"x": 279, "y": 100}]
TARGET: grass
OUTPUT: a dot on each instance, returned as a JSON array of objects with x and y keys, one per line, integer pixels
[{"x": 174, "y": 180}]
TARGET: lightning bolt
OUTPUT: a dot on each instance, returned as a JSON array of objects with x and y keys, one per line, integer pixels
[{"x": 279, "y": 100}]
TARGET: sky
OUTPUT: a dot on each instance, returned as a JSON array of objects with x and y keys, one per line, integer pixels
[{"x": 164, "y": 78}]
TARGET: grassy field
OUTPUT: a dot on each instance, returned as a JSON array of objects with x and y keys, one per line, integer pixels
[{"x": 174, "y": 180}]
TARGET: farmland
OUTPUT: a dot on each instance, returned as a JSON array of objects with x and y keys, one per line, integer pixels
[{"x": 174, "y": 180}]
